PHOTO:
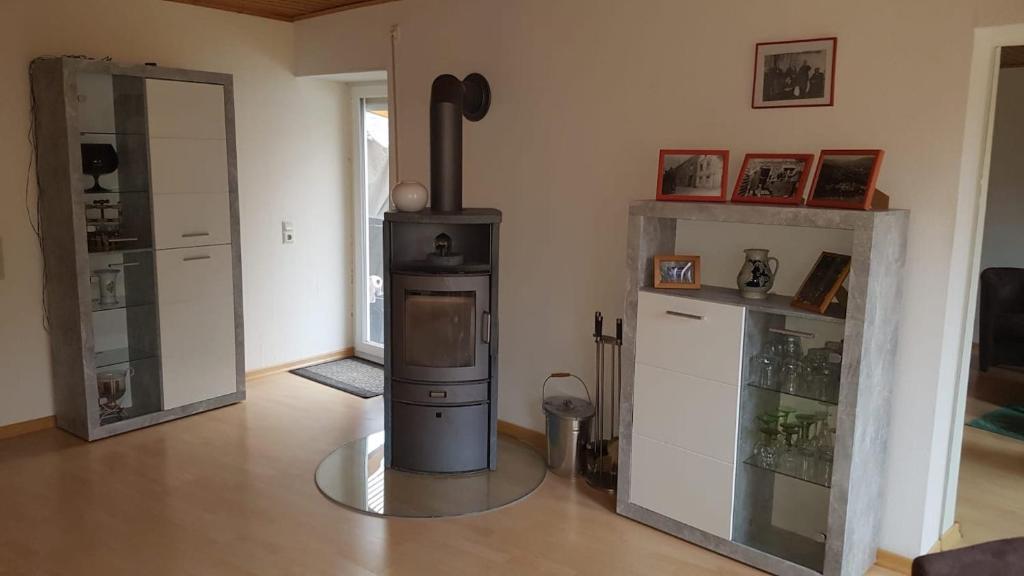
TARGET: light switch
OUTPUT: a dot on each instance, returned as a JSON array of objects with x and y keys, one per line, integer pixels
[{"x": 287, "y": 233}]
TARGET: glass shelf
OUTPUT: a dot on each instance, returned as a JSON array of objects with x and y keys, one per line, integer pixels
[
  {"x": 97, "y": 307},
  {"x": 788, "y": 395},
  {"x": 810, "y": 479},
  {"x": 113, "y": 192},
  {"x": 111, "y": 133},
  {"x": 121, "y": 251},
  {"x": 108, "y": 358}
]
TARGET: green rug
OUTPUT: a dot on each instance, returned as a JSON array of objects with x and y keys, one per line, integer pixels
[{"x": 1008, "y": 421}]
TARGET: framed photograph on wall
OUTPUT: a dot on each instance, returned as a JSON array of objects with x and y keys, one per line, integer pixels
[
  {"x": 677, "y": 272},
  {"x": 794, "y": 73},
  {"x": 693, "y": 175},
  {"x": 772, "y": 178},
  {"x": 845, "y": 179},
  {"x": 824, "y": 283}
]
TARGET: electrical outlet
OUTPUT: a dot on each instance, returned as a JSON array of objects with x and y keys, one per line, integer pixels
[{"x": 287, "y": 233}]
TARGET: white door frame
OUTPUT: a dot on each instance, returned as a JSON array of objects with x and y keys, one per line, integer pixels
[
  {"x": 970, "y": 226},
  {"x": 358, "y": 92}
]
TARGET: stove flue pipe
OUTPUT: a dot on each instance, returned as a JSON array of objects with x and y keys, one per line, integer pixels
[{"x": 450, "y": 100}]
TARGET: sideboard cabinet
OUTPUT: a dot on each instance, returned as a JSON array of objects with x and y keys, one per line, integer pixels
[
  {"x": 138, "y": 207},
  {"x": 700, "y": 452}
]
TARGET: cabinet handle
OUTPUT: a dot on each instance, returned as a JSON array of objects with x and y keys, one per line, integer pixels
[
  {"x": 485, "y": 329},
  {"x": 787, "y": 332},
  {"x": 437, "y": 394},
  {"x": 194, "y": 258},
  {"x": 116, "y": 240},
  {"x": 195, "y": 234},
  {"x": 684, "y": 315}
]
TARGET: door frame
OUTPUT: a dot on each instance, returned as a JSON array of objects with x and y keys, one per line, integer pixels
[
  {"x": 969, "y": 231},
  {"x": 363, "y": 348}
]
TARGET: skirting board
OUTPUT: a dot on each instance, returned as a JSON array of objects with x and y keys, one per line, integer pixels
[
  {"x": 35, "y": 425},
  {"x": 902, "y": 565},
  {"x": 270, "y": 370},
  {"x": 531, "y": 438}
]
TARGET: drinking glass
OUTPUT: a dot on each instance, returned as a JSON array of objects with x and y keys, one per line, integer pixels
[
  {"x": 791, "y": 376},
  {"x": 764, "y": 367},
  {"x": 766, "y": 449},
  {"x": 789, "y": 461},
  {"x": 792, "y": 347}
]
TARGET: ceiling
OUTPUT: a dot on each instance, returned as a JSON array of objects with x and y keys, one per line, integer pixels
[
  {"x": 287, "y": 10},
  {"x": 1013, "y": 57}
]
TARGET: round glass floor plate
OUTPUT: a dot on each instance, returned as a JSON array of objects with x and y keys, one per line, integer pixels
[{"x": 354, "y": 476}]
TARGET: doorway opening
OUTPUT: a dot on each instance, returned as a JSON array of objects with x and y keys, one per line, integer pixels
[{"x": 986, "y": 479}]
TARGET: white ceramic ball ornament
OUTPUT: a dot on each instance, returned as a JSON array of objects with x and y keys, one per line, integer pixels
[{"x": 409, "y": 196}]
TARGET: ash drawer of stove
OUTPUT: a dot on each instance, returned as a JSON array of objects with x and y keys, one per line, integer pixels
[
  {"x": 439, "y": 438},
  {"x": 467, "y": 393}
]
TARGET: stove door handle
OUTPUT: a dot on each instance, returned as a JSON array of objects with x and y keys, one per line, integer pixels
[{"x": 485, "y": 327}]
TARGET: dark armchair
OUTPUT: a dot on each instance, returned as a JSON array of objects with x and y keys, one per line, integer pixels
[{"x": 1001, "y": 317}]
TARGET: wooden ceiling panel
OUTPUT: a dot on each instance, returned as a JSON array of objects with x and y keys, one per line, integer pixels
[
  {"x": 287, "y": 10},
  {"x": 1012, "y": 57}
]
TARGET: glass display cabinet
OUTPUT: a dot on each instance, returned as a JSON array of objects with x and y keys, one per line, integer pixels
[
  {"x": 749, "y": 426},
  {"x": 119, "y": 201}
]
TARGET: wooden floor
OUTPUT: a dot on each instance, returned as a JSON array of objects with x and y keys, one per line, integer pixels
[{"x": 231, "y": 492}]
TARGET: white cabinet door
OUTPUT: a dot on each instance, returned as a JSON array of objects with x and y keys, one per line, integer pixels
[
  {"x": 685, "y": 411},
  {"x": 182, "y": 220},
  {"x": 197, "y": 324},
  {"x": 185, "y": 109},
  {"x": 188, "y": 166},
  {"x": 684, "y": 486},
  {"x": 694, "y": 337}
]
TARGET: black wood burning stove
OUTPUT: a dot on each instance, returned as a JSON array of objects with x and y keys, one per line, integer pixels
[{"x": 441, "y": 313}]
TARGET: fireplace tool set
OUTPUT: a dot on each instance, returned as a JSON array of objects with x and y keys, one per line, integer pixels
[{"x": 603, "y": 451}]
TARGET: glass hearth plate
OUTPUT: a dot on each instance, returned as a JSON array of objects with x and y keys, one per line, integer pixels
[{"x": 354, "y": 476}]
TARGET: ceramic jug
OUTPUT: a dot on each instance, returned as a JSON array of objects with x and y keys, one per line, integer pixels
[{"x": 757, "y": 276}]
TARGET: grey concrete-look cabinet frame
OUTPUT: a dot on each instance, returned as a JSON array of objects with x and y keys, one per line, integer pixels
[
  {"x": 62, "y": 212},
  {"x": 870, "y": 328}
]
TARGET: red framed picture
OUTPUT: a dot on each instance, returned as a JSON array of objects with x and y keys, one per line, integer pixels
[
  {"x": 845, "y": 178},
  {"x": 772, "y": 178},
  {"x": 693, "y": 175},
  {"x": 794, "y": 73}
]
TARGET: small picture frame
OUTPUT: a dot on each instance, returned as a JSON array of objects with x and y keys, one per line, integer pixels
[
  {"x": 693, "y": 175},
  {"x": 772, "y": 178},
  {"x": 794, "y": 73},
  {"x": 845, "y": 179},
  {"x": 824, "y": 283},
  {"x": 677, "y": 272}
]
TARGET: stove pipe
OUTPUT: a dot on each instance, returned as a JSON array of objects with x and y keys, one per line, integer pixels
[
  {"x": 450, "y": 100},
  {"x": 446, "y": 144}
]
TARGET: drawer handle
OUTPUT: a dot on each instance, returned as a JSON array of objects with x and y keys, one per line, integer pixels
[
  {"x": 116, "y": 240},
  {"x": 124, "y": 265},
  {"x": 684, "y": 315},
  {"x": 787, "y": 332},
  {"x": 194, "y": 258},
  {"x": 438, "y": 394},
  {"x": 195, "y": 234}
]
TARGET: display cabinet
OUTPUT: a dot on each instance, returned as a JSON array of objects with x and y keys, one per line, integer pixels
[
  {"x": 751, "y": 427},
  {"x": 139, "y": 227}
]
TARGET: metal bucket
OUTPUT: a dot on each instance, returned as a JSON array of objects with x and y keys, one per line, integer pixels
[{"x": 567, "y": 426}]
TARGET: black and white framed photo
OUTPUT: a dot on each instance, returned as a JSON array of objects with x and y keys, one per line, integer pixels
[
  {"x": 677, "y": 271},
  {"x": 846, "y": 179},
  {"x": 794, "y": 73},
  {"x": 772, "y": 178},
  {"x": 693, "y": 175}
]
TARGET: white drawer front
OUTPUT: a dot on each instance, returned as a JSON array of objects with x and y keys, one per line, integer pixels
[
  {"x": 183, "y": 220},
  {"x": 188, "y": 166},
  {"x": 197, "y": 324},
  {"x": 682, "y": 485},
  {"x": 689, "y": 412},
  {"x": 185, "y": 109},
  {"x": 694, "y": 337}
]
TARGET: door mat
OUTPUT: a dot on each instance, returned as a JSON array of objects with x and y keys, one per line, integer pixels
[
  {"x": 1008, "y": 421},
  {"x": 353, "y": 375}
]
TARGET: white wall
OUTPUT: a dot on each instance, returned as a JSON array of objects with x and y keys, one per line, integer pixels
[
  {"x": 290, "y": 149},
  {"x": 585, "y": 93}
]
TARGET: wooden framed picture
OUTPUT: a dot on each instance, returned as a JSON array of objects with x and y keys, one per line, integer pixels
[
  {"x": 794, "y": 73},
  {"x": 772, "y": 178},
  {"x": 693, "y": 175},
  {"x": 845, "y": 178},
  {"x": 677, "y": 272},
  {"x": 824, "y": 283}
]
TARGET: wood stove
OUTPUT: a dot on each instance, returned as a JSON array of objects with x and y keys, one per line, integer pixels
[{"x": 441, "y": 307}]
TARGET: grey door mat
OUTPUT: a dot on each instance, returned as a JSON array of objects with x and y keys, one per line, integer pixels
[{"x": 353, "y": 375}]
